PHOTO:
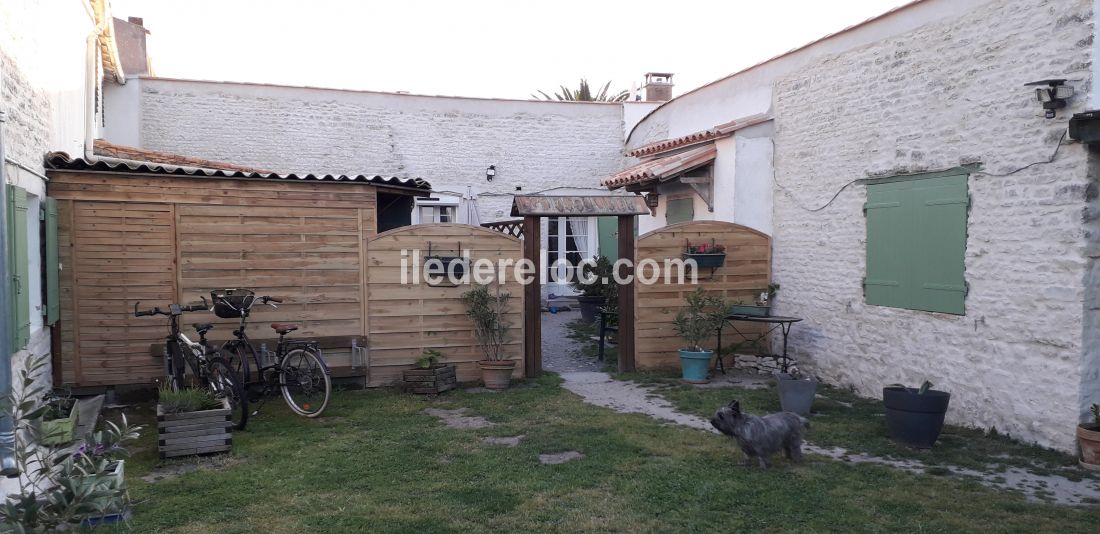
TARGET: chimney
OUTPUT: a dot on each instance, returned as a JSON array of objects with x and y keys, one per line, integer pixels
[
  {"x": 130, "y": 36},
  {"x": 136, "y": 21},
  {"x": 658, "y": 86}
]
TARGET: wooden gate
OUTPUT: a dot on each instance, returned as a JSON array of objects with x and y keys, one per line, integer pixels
[
  {"x": 745, "y": 273},
  {"x": 403, "y": 319}
]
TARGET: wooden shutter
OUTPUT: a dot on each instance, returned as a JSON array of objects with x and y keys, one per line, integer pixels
[
  {"x": 887, "y": 277},
  {"x": 679, "y": 210},
  {"x": 51, "y": 264},
  {"x": 19, "y": 316}
]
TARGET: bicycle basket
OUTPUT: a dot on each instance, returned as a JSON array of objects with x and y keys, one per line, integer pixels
[{"x": 232, "y": 303}]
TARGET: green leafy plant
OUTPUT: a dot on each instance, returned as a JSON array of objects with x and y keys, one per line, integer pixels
[
  {"x": 583, "y": 93},
  {"x": 595, "y": 279},
  {"x": 429, "y": 358},
  {"x": 186, "y": 400},
  {"x": 1095, "y": 411},
  {"x": 704, "y": 248},
  {"x": 59, "y": 404},
  {"x": 488, "y": 312},
  {"x": 924, "y": 387},
  {"x": 60, "y": 487},
  {"x": 700, "y": 319}
]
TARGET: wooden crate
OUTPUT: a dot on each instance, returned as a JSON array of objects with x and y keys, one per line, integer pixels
[
  {"x": 433, "y": 380},
  {"x": 201, "y": 432}
]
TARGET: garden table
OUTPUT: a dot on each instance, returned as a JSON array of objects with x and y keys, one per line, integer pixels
[{"x": 754, "y": 338}]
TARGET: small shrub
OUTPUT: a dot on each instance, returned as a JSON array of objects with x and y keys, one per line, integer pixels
[
  {"x": 186, "y": 400},
  {"x": 488, "y": 311},
  {"x": 699, "y": 321},
  {"x": 428, "y": 358}
]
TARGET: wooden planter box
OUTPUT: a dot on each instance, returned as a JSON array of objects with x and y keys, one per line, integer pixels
[
  {"x": 431, "y": 381},
  {"x": 202, "y": 432}
]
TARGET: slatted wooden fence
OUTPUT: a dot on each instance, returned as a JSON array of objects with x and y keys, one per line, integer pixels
[
  {"x": 405, "y": 319},
  {"x": 746, "y": 272}
]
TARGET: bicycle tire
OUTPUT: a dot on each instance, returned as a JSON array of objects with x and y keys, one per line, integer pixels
[
  {"x": 307, "y": 391},
  {"x": 222, "y": 380},
  {"x": 176, "y": 365},
  {"x": 240, "y": 356}
]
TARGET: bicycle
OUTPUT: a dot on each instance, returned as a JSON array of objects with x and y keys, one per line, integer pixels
[
  {"x": 297, "y": 370},
  {"x": 208, "y": 370}
]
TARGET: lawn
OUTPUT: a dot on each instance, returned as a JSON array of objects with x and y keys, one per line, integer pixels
[{"x": 377, "y": 463}]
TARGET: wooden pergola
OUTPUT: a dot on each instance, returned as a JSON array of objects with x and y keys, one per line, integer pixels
[{"x": 534, "y": 207}]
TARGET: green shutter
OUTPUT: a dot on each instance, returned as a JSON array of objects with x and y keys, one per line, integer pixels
[
  {"x": 51, "y": 263},
  {"x": 679, "y": 210},
  {"x": 609, "y": 237},
  {"x": 19, "y": 266},
  {"x": 916, "y": 243}
]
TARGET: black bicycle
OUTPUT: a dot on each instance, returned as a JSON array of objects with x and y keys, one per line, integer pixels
[
  {"x": 208, "y": 369},
  {"x": 297, "y": 369}
]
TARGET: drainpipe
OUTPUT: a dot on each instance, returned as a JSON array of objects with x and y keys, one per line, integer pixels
[{"x": 7, "y": 425}]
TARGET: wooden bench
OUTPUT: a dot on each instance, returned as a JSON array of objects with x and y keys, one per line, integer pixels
[{"x": 346, "y": 356}]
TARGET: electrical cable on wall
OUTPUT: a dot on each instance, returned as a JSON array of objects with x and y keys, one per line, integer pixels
[{"x": 1053, "y": 156}]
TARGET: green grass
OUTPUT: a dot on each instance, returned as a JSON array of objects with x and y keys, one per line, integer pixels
[
  {"x": 844, "y": 419},
  {"x": 587, "y": 337},
  {"x": 376, "y": 463}
]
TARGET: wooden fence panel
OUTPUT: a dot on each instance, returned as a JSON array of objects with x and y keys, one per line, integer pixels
[
  {"x": 404, "y": 319},
  {"x": 746, "y": 272}
]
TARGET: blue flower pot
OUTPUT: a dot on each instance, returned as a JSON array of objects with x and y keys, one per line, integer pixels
[{"x": 695, "y": 365}]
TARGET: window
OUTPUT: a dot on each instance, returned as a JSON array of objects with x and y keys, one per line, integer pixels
[
  {"x": 916, "y": 242},
  {"x": 679, "y": 210},
  {"x": 436, "y": 213},
  {"x": 569, "y": 238}
]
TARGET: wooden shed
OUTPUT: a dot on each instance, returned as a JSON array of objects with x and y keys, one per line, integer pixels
[{"x": 154, "y": 233}]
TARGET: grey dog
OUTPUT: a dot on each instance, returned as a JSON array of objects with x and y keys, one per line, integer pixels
[{"x": 761, "y": 437}]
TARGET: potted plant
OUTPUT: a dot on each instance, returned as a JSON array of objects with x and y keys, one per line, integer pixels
[
  {"x": 710, "y": 255},
  {"x": 192, "y": 421},
  {"x": 695, "y": 324},
  {"x": 59, "y": 420},
  {"x": 594, "y": 281},
  {"x": 1088, "y": 439},
  {"x": 914, "y": 416},
  {"x": 488, "y": 312},
  {"x": 762, "y": 308},
  {"x": 796, "y": 393},
  {"x": 429, "y": 376}
]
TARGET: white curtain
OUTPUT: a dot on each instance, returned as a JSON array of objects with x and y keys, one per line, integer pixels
[{"x": 578, "y": 230}]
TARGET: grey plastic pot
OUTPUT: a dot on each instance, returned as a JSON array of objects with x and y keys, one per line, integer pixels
[{"x": 795, "y": 395}]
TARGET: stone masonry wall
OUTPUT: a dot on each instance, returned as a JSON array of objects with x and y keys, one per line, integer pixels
[
  {"x": 946, "y": 94},
  {"x": 448, "y": 141}
]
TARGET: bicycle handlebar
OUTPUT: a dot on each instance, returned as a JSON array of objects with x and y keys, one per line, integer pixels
[{"x": 173, "y": 309}]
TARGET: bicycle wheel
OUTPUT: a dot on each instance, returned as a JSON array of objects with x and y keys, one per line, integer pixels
[
  {"x": 240, "y": 356},
  {"x": 175, "y": 365},
  {"x": 224, "y": 382},
  {"x": 304, "y": 381}
]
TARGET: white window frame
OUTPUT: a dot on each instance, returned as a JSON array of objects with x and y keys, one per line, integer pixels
[
  {"x": 561, "y": 238},
  {"x": 433, "y": 203}
]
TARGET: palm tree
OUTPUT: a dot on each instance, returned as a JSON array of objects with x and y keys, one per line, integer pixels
[{"x": 584, "y": 94}]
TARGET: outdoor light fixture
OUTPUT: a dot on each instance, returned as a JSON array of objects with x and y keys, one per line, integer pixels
[
  {"x": 651, "y": 200},
  {"x": 490, "y": 172},
  {"x": 1053, "y": 96}
]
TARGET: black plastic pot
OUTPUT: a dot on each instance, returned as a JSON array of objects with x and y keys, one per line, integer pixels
[
  {"x": 590, "y": 307},
  {"x": 915, "y": 420}
]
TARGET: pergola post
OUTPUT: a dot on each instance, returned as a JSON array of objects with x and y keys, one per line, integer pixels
[
  {"x": 532, "y": 300},
  {"x": 626, "y": 294}
]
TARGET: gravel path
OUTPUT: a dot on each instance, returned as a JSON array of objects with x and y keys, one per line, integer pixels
[{"x": 559, "y": 352}]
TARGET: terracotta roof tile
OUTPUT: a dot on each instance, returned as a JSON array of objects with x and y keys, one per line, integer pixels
[
  {"x": 662, "y": 169},
  {"x": 111, "y": 150},
  {"x": 717, "y": 132}
]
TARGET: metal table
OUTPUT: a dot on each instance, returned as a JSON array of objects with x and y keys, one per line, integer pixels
[{"x": 782, "y": 323}]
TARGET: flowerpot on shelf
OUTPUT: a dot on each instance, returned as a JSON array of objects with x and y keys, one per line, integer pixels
[
  {"x": 431, "y": 381},
  {"x": 694, "y": 365},
  {"x": 706, "y": 260},
  {"x": 590, "y": 308},
  {"x": 751, "y": 311},
  {"x": 795, "y": 395},
  {"x": 496, "y": 374},
  {"x": 1088, "y": 440},
  {"x": 912, "y": 418},
  {"x": 199, "y": 432}
]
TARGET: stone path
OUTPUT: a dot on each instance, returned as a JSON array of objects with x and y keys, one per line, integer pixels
[
  {"x": 627, "y": 397},
  {"x": 559, "y": 352}
]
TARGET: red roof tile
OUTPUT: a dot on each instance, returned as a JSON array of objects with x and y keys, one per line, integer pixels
[
  {"x": 662, "y": 169},
  {"x": 717, "y": 132}
]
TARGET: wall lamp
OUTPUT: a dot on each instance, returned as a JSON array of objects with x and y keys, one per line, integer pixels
[
  {"x": 490, "y": 173},
  {"x": 1053, "y": 96}
]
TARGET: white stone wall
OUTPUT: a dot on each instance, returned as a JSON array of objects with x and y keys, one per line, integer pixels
[
  {"x": 448, "y": 141},
  {"x": 945, "y": 94}
]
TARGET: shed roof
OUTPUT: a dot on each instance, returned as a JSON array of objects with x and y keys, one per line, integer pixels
[
  {"x": 575, "y": 206},
  {"x": 710, "y": 134},
  {"x": 665, "y": 168},
  {"x": 61, "y": 161}
]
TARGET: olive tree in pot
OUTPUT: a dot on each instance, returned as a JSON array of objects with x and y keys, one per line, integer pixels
[
  {"x": 1088, "y": 439},
  {"x": 914, "y": 416},
  {"x": 594, "y": 281},
  {"x": 696, "y": 324},
  {"x": 487, "y": 311}
]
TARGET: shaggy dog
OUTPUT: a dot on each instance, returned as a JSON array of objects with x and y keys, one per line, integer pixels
[{"x": 761, "y": 437}]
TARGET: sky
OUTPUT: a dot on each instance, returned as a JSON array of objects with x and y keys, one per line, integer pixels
[{"x": 498, "y": 49}]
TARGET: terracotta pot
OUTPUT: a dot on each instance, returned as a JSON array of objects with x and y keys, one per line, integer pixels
[
  {"x": 496, "y": 374},
  {"x": 1089, "y": 441}
]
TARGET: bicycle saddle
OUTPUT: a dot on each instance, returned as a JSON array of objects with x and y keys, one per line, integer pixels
[
  {"x": 283, "y": 328},
  {"x": 202, "y": 328}
]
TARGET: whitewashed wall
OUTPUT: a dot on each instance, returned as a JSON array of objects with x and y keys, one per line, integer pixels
[
  {"x": 945, "y": 94},
  {"x": 448, "y": 141}
]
